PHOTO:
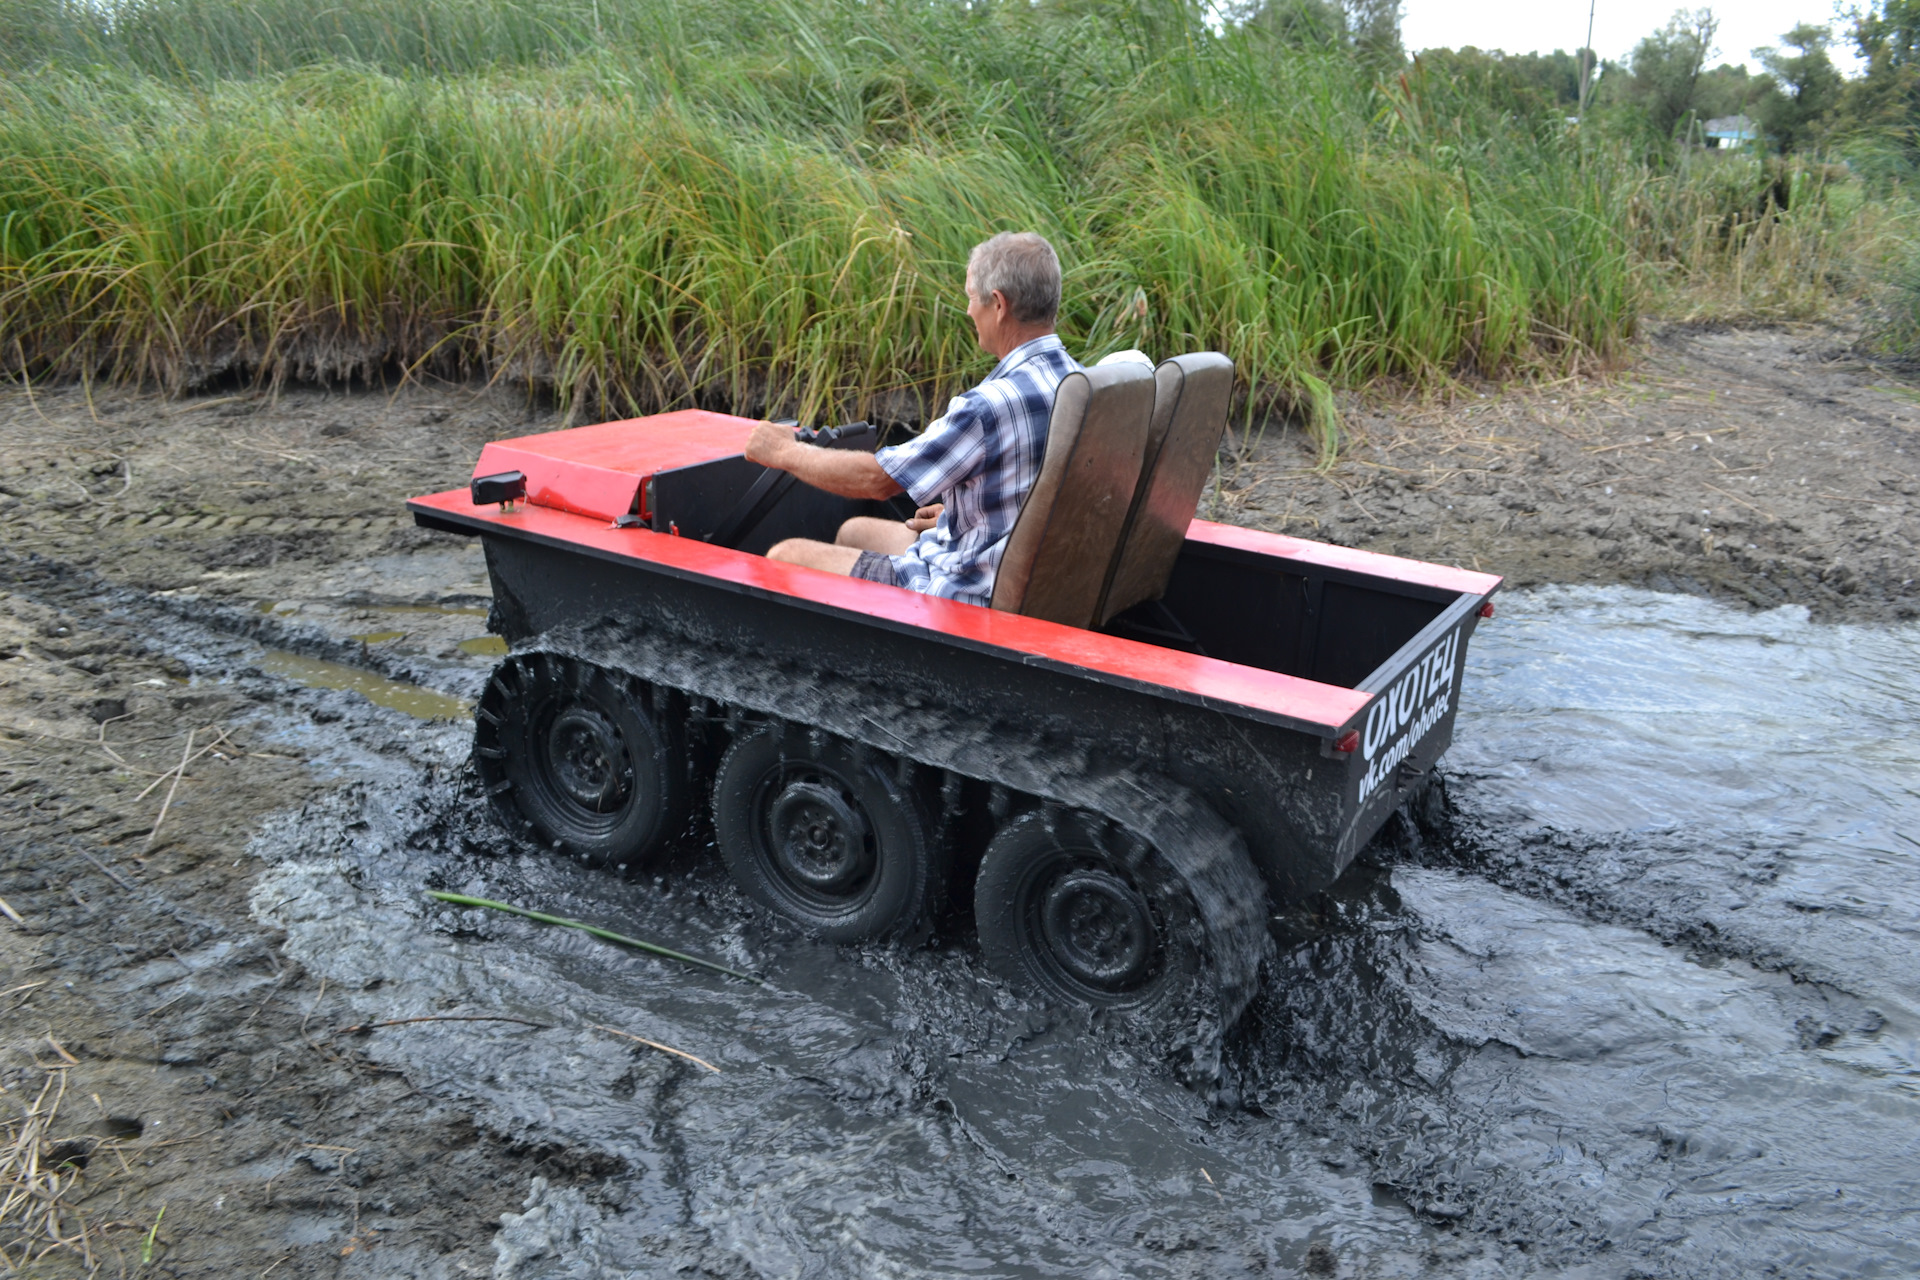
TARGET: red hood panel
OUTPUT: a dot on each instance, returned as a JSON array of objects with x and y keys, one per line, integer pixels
[{"x": 598, "y": 471}]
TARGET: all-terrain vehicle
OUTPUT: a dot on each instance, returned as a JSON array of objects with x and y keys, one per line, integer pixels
[{"x": 1160, "y": 729}]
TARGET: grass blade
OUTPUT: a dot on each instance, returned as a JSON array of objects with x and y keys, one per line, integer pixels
[{"x": 463, "y": 900}]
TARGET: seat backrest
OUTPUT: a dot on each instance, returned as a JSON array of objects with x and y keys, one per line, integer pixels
[
  {"x": 1191, "y": 396},
  {"x": 1061, "y": 546}
]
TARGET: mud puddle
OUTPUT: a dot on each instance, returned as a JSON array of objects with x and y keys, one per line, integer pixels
[
  {"x": 1644, "y": 1007},
  {"x": 396, "y": 695}
]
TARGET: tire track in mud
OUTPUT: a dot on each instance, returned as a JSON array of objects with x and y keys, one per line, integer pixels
[
  {"x": 1630, "y": 1115},
  {"x": 269, "y": 1142},
  {"x": 1644, "y": 882}
]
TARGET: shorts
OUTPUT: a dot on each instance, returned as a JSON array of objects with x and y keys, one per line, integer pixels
[{"x": 874, "y": 567}]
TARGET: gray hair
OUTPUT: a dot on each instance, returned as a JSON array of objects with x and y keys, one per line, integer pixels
[{"x": 1024, "y": 269}]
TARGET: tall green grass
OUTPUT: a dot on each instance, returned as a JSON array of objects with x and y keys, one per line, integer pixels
[{"x": 767, "y": 205}]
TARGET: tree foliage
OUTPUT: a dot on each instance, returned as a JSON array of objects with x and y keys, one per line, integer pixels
[
  {"x": 1370, "y": 28},
  {"x": 1512, "y": 81},
  {"x": 1797, "y": 107},
  {"x": 1664, "y": 71},
  {"x": 1889, "y": 33},
  {"x": 1879, "y": 113}
]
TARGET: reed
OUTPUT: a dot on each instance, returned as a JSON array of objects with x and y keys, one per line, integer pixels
[
  {"x": 1743, "y": 238},
  {"x": 647, "y": 203}
]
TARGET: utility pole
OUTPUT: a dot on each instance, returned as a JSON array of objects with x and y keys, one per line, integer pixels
[{"x": 1587, "y": 62}]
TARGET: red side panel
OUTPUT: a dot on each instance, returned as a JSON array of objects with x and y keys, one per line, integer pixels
[
  {"x": 598, "y": 471},
  {"x": 1371, "y": 563},
  {"x": 1324, "y": 705}
]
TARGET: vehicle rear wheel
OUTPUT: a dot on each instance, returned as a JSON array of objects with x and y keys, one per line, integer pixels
[
  {"x": 824, "y": 834},
  {"x": 570, "y": 757},
  {"x": 1075, "y": 912}
]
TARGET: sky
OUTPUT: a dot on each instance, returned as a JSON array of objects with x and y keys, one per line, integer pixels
[{"x": 1526, "y": 26}]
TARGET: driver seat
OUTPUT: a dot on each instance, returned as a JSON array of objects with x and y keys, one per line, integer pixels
[{"x": 1058, "y": 555}]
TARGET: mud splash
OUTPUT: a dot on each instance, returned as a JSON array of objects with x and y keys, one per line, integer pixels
[{"x": 1641, "y": 1006}]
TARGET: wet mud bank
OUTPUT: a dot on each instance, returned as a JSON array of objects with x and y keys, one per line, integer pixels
[
  {"x": 1636, "y": 1001},
  {"x": 196, "y": 1076},
  {"x": 1758, "y": 467}
]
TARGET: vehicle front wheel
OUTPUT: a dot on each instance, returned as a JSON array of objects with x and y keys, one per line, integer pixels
[
  {"x": 571, "y": 758},
  {"x": 824, "y": 834},
  {"x": 1076, "y": 912}
]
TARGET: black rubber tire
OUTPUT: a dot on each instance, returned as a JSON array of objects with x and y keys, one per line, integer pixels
[
  {"x": 572, "y": 759},
  {"x": 1075, "y": 911},
  {"x": 825, "y": 834}
]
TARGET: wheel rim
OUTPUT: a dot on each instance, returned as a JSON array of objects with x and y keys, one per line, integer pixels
[
  {"x": 815, "y": 838},
  {"x": 586, "y": 759},
  {"x": 1098, "y": 929},
  {"x": 820, "y": 842}
]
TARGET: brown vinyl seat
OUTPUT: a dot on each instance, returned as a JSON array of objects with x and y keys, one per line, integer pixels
[
  {"x": 1191, "y": 397},
  {"x": 1058, "y": 554}
]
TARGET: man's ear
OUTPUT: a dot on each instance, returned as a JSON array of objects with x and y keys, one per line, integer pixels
[{"x": 1002, "y": 309}]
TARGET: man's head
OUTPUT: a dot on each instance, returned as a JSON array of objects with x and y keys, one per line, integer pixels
[{"x": 1013, "y": 290}]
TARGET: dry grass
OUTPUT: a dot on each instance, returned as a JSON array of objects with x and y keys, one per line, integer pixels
[
  {"x": 50, "y": 1168},
  {"x": 1741, "y": 239}
]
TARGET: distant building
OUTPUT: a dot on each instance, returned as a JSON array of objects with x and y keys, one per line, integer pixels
[{"x": 1731, "y": 131}]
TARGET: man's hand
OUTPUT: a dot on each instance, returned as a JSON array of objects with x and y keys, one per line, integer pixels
[
  {"x": 770, "y": 445},
  {"x": 926, "y": 517}
]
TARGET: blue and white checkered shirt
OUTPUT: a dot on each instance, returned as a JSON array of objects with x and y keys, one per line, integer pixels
[{"x": 980, "y": 459}]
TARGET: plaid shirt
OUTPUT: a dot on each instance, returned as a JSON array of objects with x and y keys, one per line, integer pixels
[{"x": 980, "y": 459}]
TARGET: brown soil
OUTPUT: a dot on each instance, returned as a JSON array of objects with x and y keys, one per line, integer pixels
[
  {"x": 199, "y": 1071},
  {"x": 1767, "y": 466}
]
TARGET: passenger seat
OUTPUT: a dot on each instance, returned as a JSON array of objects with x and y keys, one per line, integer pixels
[
  {"x": 1063, "y": 542},
  {"x": 1191, "y": 397}
]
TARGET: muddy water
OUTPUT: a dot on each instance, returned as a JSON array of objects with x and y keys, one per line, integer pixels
[
  {"x": 1644, "y": 1007},
  {"x": 397, "y": 695},
  {"x": 1656, "y": 992}
]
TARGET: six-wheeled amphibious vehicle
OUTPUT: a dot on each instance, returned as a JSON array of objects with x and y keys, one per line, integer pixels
[{"x": 1161, "y": 727}]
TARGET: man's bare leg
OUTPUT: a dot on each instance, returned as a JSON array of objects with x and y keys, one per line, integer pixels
[
  {"x": 815, "y": 555},
  {"x": 869, "y": 533},
  {"x": 862, "y": 533}
]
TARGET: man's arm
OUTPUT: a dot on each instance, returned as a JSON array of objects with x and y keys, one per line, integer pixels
[{"x": 850, "y": 473}]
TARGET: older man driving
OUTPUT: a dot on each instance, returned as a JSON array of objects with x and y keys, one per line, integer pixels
[{"x": 970, "y": 470}]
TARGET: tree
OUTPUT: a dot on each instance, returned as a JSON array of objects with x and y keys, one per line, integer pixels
[
  {"x": 1374, "y": 28},
  {"x": 1316, "y": 23},
  {"x": 1370, "y": 28},
  {"x": 1512, "y": 81},
  {"x": 1883, "y": 106},
  {"x": 1727, "y": 90},
  {"x": 1797, "y": 105},
  {"x": 1889, "y": 32},
  {"x": 1664, "y": 70}
]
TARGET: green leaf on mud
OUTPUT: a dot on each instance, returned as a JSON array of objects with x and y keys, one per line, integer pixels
[{"x": 462, "y": 900}]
